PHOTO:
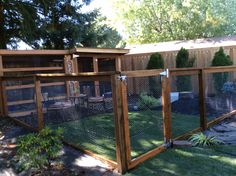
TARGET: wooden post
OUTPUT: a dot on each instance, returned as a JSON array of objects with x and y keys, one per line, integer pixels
[
  {"x": 202, "y": 107},
  {"x": 166, "y": 108},
  {"x": 96, "y": 83},
  {"x": 39, "y": 105},
  {"x": 3, "y": 103},
  {"x": 68, "y": 68},
  {"x": 121, "y": 124},
  {"x": 118, "y": 63}
]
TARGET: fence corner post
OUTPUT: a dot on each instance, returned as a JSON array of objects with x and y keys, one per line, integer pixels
[
  {"x": 202, "y": 108},
  {"x": 120, "y": 107},
  {"x": 166, "y": 108},
  {"x": 39, "y": 105}
]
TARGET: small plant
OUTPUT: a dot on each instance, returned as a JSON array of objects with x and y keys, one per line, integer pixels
[
  {"x": 183, "y": 61},
  {"x": 156, "y": 62},
  {"x": 39, "y": 149},
  {"x": 220, "y": 59},
  {"x": 147, "y": 101},
  {"x": 201, "y": 139}
]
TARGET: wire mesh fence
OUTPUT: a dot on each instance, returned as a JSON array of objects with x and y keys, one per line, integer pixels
[
  {"x": 145, "y": 114},
  {"x": 220, "y": 94},
  {"x": 20, "y": 100},
  {"x": 185, "y": 114},
  {"x": 85, "y": 114}
]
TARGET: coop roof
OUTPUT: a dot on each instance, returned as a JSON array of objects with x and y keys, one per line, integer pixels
[{"x": 188, "y": 44}]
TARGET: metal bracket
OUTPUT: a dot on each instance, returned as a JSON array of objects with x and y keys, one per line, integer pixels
[
  {"x": 122, "y": 77},
  {"x": 168, "y": 144},
  {"x": 165, "y": 73}
]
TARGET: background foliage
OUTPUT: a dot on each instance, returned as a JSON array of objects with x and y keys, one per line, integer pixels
[
  {"x": 151, "y": 21},
  {"x": 55, "y": 24},
  {"x": 220, "y": 59}
]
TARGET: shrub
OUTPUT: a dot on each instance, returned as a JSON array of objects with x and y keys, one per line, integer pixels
[
  {"x": 37, "y": 150},
  {"x": 156, "y": 62},
  {"x": 201, "y": 139},
  {"x": 183, "y": 61},
  {"x": 220, "y": 59},
  {"x": 147, "y": 101}
]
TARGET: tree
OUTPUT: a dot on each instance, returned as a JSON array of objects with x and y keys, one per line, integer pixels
[
  {"x": 183, "y": 83},
  {"x": 155, "y": 62},
  {"x": 220, "y": 59},
  {"x": 149, "y": 21},
  {"x": 17, "y": 21},
  {"x": 55, "y": 24}
]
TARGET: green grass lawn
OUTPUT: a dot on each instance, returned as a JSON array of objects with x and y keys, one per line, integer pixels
[
  {"x": 96, "y": 133},
  {"x": 217, "y": 161}
]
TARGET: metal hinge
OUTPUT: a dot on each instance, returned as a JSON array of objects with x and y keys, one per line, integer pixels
[{"x": 165, "y": 73}]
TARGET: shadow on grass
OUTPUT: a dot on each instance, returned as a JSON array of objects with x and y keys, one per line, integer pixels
[{"x": 189, "y": 162}]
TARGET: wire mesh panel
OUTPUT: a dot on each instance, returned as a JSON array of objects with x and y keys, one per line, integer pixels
[
  {"x": 145, "y": 114},
  {"x": 220, "y": 94},
  {"x": 184, "y": 104},
  {"x": 21, "y": 102},
  {"x": 86, "y": 117}
]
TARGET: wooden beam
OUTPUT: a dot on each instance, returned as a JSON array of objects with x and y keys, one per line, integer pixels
[
  {"x": 39, "y": 105},
  {"x": 32, "y": 52},
  {"x": 1, "y": 66},
  {"x": 221, "y": 118},
  {"x": 202, "y": 106},
  {"x": 100, "y": 50},
  {"x": 121, "y": 156},
  {"x": 220, "y": 69},
  {"x": 25, "y": 125},
  {"x": 125, "y": 114},
  {"x": 31, "y": 69},
  {"x": 96, "y": 83},
  {"x": 166, "y": 109},
  {"x": 32, "y": 85},
  {"x": 12, "y": 103},
  {"x": 142, "y": 73},
  {"x": 118, "y": 64},
  {"x": 111, "y": 163},
  {"x": 146, "y": 156},
  {"x": 4, "y": 97},
  {"x": 1, "y": 99},
  {"x": 68, "y": 69}
]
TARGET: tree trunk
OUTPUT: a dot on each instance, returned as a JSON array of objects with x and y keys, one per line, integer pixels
[{"x": 3, "y": 44}]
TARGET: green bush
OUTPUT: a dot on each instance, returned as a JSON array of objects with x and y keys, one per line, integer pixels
[
  {"x": 220, "y": 59},
  {"x": 183, "y": 61},
  {"x": 201, "y": 139},
  {"x": 156, "y": 62},
  {"x": 147, "y": 101},
  {"x": 37, "y": 150}
]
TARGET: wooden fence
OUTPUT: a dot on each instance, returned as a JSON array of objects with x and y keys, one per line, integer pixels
[{"x": 204, "y": 56}]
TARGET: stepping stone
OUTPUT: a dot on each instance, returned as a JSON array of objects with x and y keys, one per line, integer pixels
[
  {"x": 182, "y": 144},
  {"x": 220, "y": 128}
]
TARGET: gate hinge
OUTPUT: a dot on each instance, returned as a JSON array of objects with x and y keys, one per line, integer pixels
[
  {"x": 165, "y": 73},
  {"x": 122, "y": 77}
]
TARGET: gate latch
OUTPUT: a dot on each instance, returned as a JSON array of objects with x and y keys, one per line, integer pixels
[{"x": 165, "y": 73}]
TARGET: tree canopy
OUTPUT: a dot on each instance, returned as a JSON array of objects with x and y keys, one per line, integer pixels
[
  {"x": 149, "y": 21},
  {"x": 55, "y": 24}
]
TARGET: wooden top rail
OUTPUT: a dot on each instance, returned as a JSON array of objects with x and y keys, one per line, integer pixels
[
  {"x": 31, "y": 69},
  {"x": 184, "y": 71},
  {"x": 142, "y": 73},
  {"x": 220, "y": 69}
]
